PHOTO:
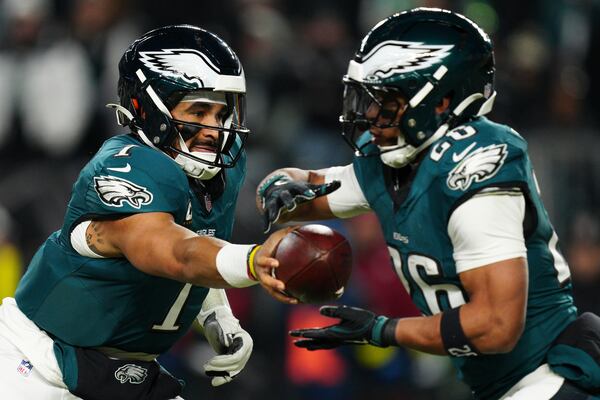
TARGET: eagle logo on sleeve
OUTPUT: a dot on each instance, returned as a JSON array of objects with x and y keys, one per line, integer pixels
[
  {"x": 481, "y": 164},
  {"x": 115, "y": 192}
]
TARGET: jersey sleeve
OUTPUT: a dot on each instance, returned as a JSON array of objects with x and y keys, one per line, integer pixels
[
  {"x": 143, "y": 181},
  {"x": 496, "y": 164},
  {"x": 349, "y": 199},
  {"x": 484, "y": 181},
  {"x": 488, "y": 228}
]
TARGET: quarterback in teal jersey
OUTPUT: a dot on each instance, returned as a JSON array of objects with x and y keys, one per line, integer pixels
[
  {"x": 143, "y": 251},
  {"x": 457, "y": 200}
]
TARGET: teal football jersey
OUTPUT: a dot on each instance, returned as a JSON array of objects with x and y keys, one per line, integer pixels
[
  {"x": 92, "y": 302},
  {"x": 468, "y": 159}
]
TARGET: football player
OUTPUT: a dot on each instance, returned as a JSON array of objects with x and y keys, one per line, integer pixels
[
  {"x": 143, "y": 251},
  {"x": 462, "y": 216}
]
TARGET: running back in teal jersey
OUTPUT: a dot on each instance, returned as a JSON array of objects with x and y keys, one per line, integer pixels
[
  {"x": 470, "y": 158},
  {"x": 93, "y": 302}
]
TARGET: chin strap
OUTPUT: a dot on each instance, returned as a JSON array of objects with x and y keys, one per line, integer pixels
[
  {"x": 401, "y": 154},
  {"x": 486, "y": 107},
  {"x": 196, "y": 169},
  {"x": 192, "y": 168},
  {"x": 124, "y": 116}
]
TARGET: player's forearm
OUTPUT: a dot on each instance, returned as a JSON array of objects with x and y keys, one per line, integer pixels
[
  {"x": 196, "y": 261},
  {"x": 421, "y": 333},
  {"x": 492, "y": 330},
  {"x": 489, "y": 332}
]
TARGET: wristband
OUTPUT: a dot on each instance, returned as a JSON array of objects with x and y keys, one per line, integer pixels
[
  {"x": 250, "y": 262},
  {"x": 232, "y": 264},
  {"x": 454, "y": 339},
  {"x": 384, "y": 331}
]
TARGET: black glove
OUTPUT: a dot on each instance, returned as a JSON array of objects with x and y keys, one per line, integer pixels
[
  {"x": 281, "y": 192},
  {"x": 357, "y": 326}
]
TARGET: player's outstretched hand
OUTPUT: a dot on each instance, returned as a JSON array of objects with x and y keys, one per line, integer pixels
[
  {"x": 279, "y": 194},
  {"x": 356, "y": 326},
  {"x": 264, "y": 262}
]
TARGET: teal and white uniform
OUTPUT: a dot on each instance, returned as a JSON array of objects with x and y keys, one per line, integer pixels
[
  {"x": 107, "y": 302},
  {"x": 475, "y": 159}
]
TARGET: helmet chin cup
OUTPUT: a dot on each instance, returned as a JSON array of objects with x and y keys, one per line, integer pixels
[
  {"x": 399, "y": 157},
  {"x": 403, "y": 153},
  {"x": 196, "y": 169}
]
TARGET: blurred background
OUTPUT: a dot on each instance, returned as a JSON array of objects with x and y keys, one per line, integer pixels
[{"x": 58, "y": 69}]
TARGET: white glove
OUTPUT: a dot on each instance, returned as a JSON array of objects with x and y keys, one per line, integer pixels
[{"x": 232, "y": 344}]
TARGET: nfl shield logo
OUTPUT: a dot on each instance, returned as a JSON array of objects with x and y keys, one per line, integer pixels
[{"x": 24, "y": 368}]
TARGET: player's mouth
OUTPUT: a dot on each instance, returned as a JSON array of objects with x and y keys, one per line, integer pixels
[{"x": 203, "y": 148}]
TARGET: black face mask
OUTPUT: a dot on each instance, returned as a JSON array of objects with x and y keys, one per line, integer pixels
[{"x": 358, "y": 100}]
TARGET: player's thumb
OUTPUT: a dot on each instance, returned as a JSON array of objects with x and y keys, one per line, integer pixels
[{"x": 330, "y": 311}]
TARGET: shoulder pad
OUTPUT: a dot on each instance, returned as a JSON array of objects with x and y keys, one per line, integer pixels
[
  {"x": 125, "y": 158},
  {"x": 473, "y": 154}
]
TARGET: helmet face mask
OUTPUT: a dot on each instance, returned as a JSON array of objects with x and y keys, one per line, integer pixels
[
  {"x": 232, "y": 125},
  {"x": 167, "y": 66},
  {"x": 424, "y": 55},
  {"x": 369, "y": 106}
]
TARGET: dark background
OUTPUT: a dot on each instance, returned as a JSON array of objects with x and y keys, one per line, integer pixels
[{"x": 58, "y": 63}]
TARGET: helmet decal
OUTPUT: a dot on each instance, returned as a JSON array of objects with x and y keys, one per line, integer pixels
[
  {"x": 396, "y": 57},
  {"x": 187, "y": 63}
]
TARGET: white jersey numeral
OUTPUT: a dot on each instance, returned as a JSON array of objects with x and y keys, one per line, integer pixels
[
  {"x": 168, "y": 323},
  {"x": 460, "y": 133},
  {"x": 417, "y": 265}
]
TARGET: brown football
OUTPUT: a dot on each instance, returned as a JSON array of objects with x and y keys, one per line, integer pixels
[{"x": 314, "y": 263}]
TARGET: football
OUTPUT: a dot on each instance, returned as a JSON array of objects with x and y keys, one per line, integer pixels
[{"x": 314, "y": 263}]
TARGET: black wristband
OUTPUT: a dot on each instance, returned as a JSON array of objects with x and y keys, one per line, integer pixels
[
  {"x": 455, "y": 341},
  {"x": 388, "y": 333}
]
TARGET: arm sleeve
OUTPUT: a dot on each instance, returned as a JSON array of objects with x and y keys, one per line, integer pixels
[
  {"x": 79, "y": 243},
  {"x": 487, "y": 228},
  {"x": 349, "y": 199}
]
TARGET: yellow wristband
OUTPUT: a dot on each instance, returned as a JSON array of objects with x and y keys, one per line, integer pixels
[{"x": 251, "y": 255}]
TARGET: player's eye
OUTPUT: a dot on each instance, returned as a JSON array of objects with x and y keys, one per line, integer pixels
[{"x": 223, "y": 114}]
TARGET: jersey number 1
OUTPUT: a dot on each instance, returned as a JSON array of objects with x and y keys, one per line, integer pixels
[{"x": 168, "y": 324}]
